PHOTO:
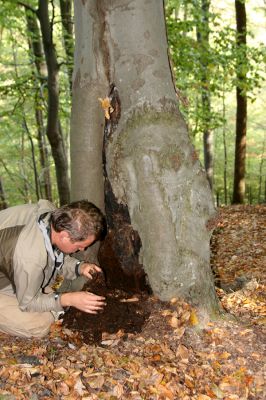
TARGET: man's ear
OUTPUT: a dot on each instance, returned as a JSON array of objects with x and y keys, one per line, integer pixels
[{"x": 64, "y": 235}]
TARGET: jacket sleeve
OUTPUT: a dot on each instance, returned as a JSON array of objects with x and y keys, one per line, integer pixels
[
  {"x": 69, "y": 267},
  {"x": 28, "y": 279}
]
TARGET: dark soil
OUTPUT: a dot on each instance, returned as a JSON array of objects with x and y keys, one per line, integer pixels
[{"x": 123, "y": 311}]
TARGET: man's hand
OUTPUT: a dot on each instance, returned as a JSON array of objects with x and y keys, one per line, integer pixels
[
  {"x": 88, "y": 270},
  {"x": 84, "y": 301}
]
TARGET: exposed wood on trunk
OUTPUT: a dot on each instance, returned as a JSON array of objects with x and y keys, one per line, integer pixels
[{"x": 119, "y": 253}]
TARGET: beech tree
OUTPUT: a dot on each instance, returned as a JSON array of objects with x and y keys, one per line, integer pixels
[{"x": 157, "y": 198}]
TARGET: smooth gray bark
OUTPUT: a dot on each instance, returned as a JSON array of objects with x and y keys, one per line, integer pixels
[
  {"x": 150, "y": 163},
  {"x": 89, "y": 84}
]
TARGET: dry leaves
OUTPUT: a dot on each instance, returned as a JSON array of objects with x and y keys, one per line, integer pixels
[{"x": 168, "y": 358}]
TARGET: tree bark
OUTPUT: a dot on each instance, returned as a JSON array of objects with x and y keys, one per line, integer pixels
[
  {"x": 241, "y": 100},
  {"x": 87, "y": 119},
  {"x": 203, "y": 40},
  {"x": 34, "y": 164},
  {"x": 157, "y": 198},
  {"x": 67, "y": 24},
  {"x": 3, "y": 202},
  {"x": 225, "y": 152},
  {"x": 262, "y": 161},
  {"x": 36, "y": 48},
  {"x": 53, "y": 130}
]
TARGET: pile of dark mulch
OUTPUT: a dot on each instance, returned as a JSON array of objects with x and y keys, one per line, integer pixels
[{"x": 124, "y": 311}]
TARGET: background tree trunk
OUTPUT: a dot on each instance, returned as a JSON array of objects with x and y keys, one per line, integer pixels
[
  {"x": 157, "y": 198},
  {"x": 67, "y": 24},
  {"x": 53, "y": 130},
  {"x": 36, "y": 48},
  {"x": 3, "y": 202},
  {"x": 203, "y": 40},
  {"x": 262, "y": 161},
  {"x": 241, "y": 98}
]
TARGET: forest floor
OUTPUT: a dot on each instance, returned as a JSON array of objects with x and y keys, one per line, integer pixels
[{"x": 140, "y": 348}]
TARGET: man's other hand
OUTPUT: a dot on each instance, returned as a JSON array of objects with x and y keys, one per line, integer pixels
[{"x": 88, "y": 270}]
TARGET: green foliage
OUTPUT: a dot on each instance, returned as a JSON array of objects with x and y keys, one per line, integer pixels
[
  {"x": 215, "y": 65},
  {"x": 205, "y": 61},
  {"x": 20, "y": 86}
]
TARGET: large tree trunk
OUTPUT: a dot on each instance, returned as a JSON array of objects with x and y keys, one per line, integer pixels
[
  {"x": 89, "y": 84},
  {"x": 53, "y": 131},
  {"x": 157, "y": 198},
  {"x": 241, "y": 99}
]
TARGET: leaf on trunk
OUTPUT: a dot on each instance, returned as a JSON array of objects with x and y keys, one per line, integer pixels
[{"x": 106, "y": 105}]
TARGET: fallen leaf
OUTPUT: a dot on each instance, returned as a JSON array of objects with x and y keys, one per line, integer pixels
[
  {"x": 173, "y": 322},
  {"x": 193, "y": 319}
]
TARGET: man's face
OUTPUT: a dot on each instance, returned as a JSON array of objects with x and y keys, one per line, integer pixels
[{"x": 67, "y": 246}]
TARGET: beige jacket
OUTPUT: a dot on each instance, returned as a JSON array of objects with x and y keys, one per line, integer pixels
[{"x": 25, "y": 261}]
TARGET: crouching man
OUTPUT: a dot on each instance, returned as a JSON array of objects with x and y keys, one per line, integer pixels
[{"x": 37, "y": 243}]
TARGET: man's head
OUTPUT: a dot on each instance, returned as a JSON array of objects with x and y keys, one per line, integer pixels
[{"x": 77, "y": 225}]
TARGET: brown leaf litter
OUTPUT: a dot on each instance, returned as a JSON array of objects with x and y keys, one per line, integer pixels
[{"x": 141, "y": 348}]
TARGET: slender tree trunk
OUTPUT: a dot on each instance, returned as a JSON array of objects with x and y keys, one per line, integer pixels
[
  {"x": 261, "y": 169},
  {"x": 241, "y": 99},
  {"x": 41, "y": 69},
  {"x": 35, "y": 172},
  {"x": 225, "y": 152},
  {"x": 157, "y": 199},
  {"x": 25, "y": 186},
  {"x": 203, "y": 40},
  {"x": 45, "y": 179},
  {"x": 67, "y": 23},
  {"x": 55, "y": 138},
  {"x": 3, "y": 202},
  {"x": 25, "y": 128}
]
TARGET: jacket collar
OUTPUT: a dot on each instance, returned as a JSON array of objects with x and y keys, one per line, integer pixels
[{"x": 44, "y": 224}]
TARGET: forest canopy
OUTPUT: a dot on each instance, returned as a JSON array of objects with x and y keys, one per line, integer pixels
[{"x": 206, "y": 66}]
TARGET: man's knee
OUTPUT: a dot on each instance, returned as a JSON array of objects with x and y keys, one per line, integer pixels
[
  {"x": 24, "y": 324},
  {"x": 40, "y": 327},
  {"x": 35, "y": 325}
]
